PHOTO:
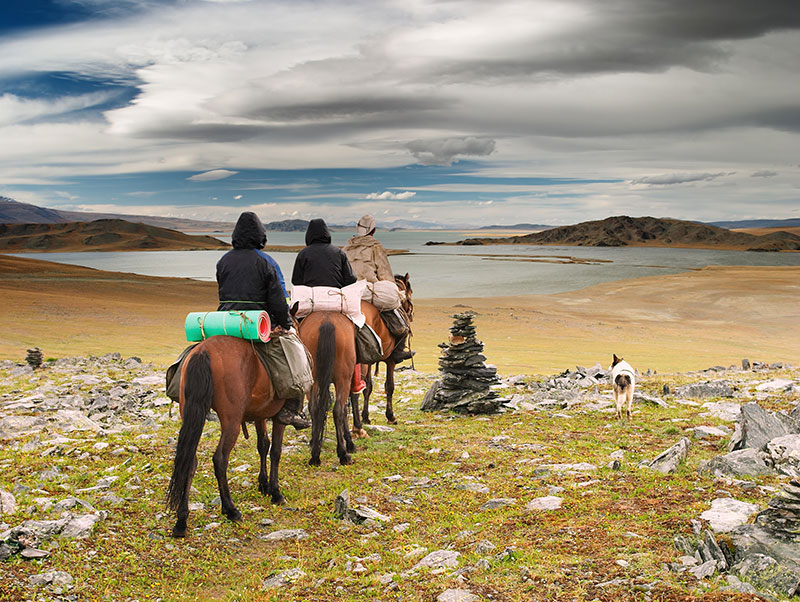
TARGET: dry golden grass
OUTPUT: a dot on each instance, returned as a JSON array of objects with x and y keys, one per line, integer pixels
[{"x": 717, "y": 315}]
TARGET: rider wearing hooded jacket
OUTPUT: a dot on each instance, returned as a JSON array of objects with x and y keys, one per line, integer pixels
[
  {"x": 249, "y": 279},
  {"x": 322, "y": 264}
]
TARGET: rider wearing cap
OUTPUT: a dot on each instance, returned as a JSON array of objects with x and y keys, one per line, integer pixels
[
  {"x": 249, "y": 279},
  {"x": 371, "y": 263}
]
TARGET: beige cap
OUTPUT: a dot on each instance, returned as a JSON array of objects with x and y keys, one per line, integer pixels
[{"x": 365, "y": 225}]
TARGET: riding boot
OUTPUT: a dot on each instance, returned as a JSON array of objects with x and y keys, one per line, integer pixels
[
  {"x": 291, "y": 414},
  {"x": 358, "y": 383},
  {"x": 400, "y": 354}
]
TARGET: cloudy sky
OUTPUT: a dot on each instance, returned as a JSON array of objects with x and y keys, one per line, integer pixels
[{"x": 447, "y": 111}]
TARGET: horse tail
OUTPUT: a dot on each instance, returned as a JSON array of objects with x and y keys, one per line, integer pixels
[
  {"x": 325, "y": 361},
  {"x": 199, "y": 393}
]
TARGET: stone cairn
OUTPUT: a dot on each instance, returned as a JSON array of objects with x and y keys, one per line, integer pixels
[
  {"x": 34, "y": 357},
  {"x": 465, "y": 384},
  {"x": 782, "y": 516}
]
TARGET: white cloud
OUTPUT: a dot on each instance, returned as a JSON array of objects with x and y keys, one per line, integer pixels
[
  {"x": 214, "y": 174},
  {"x": 390, "y": 196},
  {"x": 672, "y": 179},
  {"x": 237, "y": 197}
]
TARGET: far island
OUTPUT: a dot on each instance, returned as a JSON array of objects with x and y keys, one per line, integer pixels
[{"x": 622, "y": 231}]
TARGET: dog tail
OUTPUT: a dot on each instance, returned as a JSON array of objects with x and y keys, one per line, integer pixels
[{"x": 623, "y": 381}]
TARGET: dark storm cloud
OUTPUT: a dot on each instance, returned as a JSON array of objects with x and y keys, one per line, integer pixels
[
  {"x": 764, "y": 173},
  {"x": 646, "y": 36},
  {"x": 444, "y": 151}
]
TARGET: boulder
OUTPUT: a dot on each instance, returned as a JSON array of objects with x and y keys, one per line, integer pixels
[
  {"x": 727, "y": 513},
  {"x": 757, "y": 427},
  {"x": 716, "y": 388},
  {"x": 767, "y": 574},
  {"x": 744, "y": 462},
  {"x": 282, "y": 578},
  {"x": 8, "y": 505},
  {"x": 548, "y": 502},
  {"x": 723, "y": 410},
  {"x": 439, "y": 559},
  {"x": 704, "y": 432},
  {"x": 669, "y": 460},
  {"x": 456, "y": 595},
  {"x": 784, "y": 453}
]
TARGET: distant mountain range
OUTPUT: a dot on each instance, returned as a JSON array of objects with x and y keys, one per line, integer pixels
[
  {"x": 14, "y": 212},
  {"x": 517, "y": 227},
  {"x": 759, "y": 223},
  {"x": 100, "y": 235},
  {"x": 649, "y": 231}
]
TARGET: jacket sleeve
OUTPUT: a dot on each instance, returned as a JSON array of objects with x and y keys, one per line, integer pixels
[
  {"x": 381, "y": 261},
  {"x": 299, "y": 272},
  {"x": 348, "y": 277},
  {"x": 276, "y": 301}
]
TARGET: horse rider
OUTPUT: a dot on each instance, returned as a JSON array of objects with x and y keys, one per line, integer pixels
[
  {"x": 249, "y": 279},
  {"x": 370, "y": 262},
  {"x": 322, "y": 264}
]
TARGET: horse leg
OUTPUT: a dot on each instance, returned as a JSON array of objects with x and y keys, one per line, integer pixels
[
  {"x": 389, "y": 389},
  {"x": 262, "y": 444},
  {"x": 367, "y": 393},
  {"x": 357, "y": 426},
  {"x": 179, "y": 530},
  {"x": 230, "y": 432},
  {"x": 278, "y": 429},
  {"x": 318, "y": 418},
  {"x": 340, "y": 420}
]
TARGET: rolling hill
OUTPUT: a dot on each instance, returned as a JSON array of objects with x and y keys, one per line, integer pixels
[
  {"x": 99, "y": 235},
  {"x": 649, "y": 231}
]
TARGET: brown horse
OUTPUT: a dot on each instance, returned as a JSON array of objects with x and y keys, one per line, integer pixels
[
  {"x": 331, "y": 341},
  {"x": 389, "y": 343},
  {"x": 224, "y": 374}
]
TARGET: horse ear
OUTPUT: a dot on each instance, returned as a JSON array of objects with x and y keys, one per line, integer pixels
[
  {"x": 405, "y": 278},
  {"x": 293, "y": 309}
]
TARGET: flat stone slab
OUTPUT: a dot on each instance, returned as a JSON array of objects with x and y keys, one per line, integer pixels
[
  {"x": 283, "y": 578},
  {"x": 776, "y": 384},
  {"x": 456, "y": 595},
  {"x": 723, "y": 410},
  {"x": 579, "y": 467},
  {"x": 740, "y": 463},
  {"x": 439, "y": 559},
  {"x": 548, "y": 502},
  {"x": 727, "y": 513},
  {"x": 285, "y": 534}
]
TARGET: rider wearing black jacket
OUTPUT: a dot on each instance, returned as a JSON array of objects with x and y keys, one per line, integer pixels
[
  {"x": 249, "y": 279},
  {"x": 320, "y": 263}
]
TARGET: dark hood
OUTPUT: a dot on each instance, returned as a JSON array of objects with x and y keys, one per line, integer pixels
[
  {"x": 249, "y": 232},
  {"x": 317, "y": 232}
]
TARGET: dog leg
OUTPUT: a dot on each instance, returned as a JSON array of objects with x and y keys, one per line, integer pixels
[{"x": 629, "y": 395}]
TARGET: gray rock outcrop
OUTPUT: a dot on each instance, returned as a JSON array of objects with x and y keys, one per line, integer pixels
[
  {"x": 756, "y": 427},
  {"x": 744, "y": 462}
]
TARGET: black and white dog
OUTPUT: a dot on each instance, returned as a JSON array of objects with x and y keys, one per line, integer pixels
[{"x": 624, "y": 380}]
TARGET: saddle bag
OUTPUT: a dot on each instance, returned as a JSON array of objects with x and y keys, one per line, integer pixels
[
  {"x": 383, "y": 294},
  {"x": 369, "y": 349},
  {"x": 289, "y": 366},
  {"x": 345, "y": 300},
  {"x": 396, "y": 322}
]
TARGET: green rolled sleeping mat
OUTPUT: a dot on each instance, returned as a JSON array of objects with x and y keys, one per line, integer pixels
[{"x": 254, "y": 325}]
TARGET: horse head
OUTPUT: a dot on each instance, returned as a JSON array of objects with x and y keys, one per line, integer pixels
[{"x": 404, "y": 284}]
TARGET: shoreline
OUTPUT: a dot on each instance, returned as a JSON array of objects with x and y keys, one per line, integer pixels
[{"x": 668, "y": 323}]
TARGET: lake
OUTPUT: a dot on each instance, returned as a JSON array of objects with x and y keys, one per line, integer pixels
[{"x": 439, "y": 271}]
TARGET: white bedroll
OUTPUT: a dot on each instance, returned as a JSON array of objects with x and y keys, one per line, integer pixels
[
  {"x": 345, "y": 300},
  {"x": 383, "y": 294}
]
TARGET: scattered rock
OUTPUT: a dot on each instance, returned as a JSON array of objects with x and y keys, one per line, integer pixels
[
  {"x": 717, "y": 388},
  {"x": 8, "y": 504},
  {"x": 745, "y": 462},
  {"x": 727, "y": 513},
  {"x": 284, "y": 535},
  {"x": 439, "y": 559},
  {"x": 283, "y": 578},
  {"x": 456, "y": 595},
  {"x": 499, "y": 502},
  {"x": 756, "y": 427},
  {"x": 357, "y": 514},
  {"x": 51, "y": 578},
  {"x": 784, "y": 453},
  {"x": 704, "y": 432},
  {"x": 549, "y": 502},
  {"x": 668, "y": 461}
]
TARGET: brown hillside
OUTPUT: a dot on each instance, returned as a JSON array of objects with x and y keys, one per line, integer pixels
[
  {"x": 99, "y": 235},
  {"x": 649, "y": 231}
]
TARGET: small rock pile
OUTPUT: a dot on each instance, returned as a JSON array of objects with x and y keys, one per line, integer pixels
[
  {"x": 466, "y": 381},
  {"x": 782, "y": 516},
  {"x": 34, "y": 357}
]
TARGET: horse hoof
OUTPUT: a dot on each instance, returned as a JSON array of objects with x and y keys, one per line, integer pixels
[
  {"x": 391, "y": 420},
  {"x": 365, "y": 420},
  {"x": 345, "y": 459},
  {"x": 234, "y": 515},
  {"x": 279, "y": 500},
  {"x": 178, "y": 533},
  {"x": 314, "y": 462},
  {"x": 350, "y": 446},
  {"x": 263, "y": 489}
]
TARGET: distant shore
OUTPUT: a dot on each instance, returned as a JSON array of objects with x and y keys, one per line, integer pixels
[{"x": 678, "y": 322}]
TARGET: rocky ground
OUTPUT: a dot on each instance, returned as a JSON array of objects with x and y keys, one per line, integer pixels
[{"x": 550, "y": 499}]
